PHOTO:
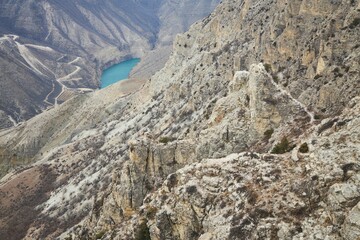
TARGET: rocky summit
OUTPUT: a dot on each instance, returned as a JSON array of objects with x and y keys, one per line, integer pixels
[{"x": 250, "y": 131}]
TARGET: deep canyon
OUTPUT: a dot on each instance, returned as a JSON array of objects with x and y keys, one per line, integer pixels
[
  {"x": 250, "y": 130},
  {"x": 51, "y": 51}
]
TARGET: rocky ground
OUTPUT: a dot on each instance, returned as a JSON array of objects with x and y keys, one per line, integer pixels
[
  {"x": 250, "y": 131},
  {"x": 308, "y": 193}
]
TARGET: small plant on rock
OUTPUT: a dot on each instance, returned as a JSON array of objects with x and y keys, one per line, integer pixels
[
  {"x": 304, "y": 148},
  {"x": 275, "y": 78},
  {"x": 267, "y": 67},
  {"x": 355, "y": 23},
  {"x": 165, "y": 140},
  {"x": 282, "y": 147},
  {"x": 268, "y": 133},
  {"x": 317, "y": 117},
  {"x": 151, "y": 212},
  {"x": 143, "y": 232},
  {"x": 191, "y": 189},
  {"x": 99, "y": 235}
]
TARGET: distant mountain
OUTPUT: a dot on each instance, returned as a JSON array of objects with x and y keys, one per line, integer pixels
[{"x": 53, "y": 50}]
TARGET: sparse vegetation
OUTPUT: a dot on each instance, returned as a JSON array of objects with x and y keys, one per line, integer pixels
[
  {"x": 268, "y": 133},
  {"x": 317, "y": 117},
  {"x": 143, "y": 232},
  {"x": 304, "y": 148},
  {"x": 100, "y": 234},
  {"x": 267, "y": 67},
  {"x": 317, "y": 76},
  {"x": 336, "y": 70},
  {"x": 282, "y": 147},
  {"x": 355, "y": 23},
  {"x": 165, "y": 140},
  {"x": 275, "y": 78},
  {"x": 346, "y": 168},
  {"x": 172, "y": 181},
  {"x": 191, "y": 189},
  {"x": 151, "y": 212}
]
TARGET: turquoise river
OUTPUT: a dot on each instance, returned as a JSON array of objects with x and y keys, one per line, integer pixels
[{"x": 117, "y": 72}]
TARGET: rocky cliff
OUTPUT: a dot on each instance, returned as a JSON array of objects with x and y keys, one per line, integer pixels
[{"x": 250, "y": 131}]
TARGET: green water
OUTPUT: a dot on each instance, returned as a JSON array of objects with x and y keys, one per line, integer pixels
[{"x": 117, "y": 72}]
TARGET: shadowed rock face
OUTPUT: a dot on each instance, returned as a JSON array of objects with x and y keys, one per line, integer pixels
[{"x": 52, "y": 50}]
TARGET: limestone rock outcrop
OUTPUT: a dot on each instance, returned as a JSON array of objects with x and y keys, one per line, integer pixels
[{"x": 262, "y": 196}]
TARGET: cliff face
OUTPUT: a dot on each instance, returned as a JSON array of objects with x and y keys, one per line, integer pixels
[
  {"x": 230, "y": 140},
  {"x": 309, "y": 47},
  {"x": 300, "y": 195}
]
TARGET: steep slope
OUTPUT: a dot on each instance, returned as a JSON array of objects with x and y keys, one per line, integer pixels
[
  {"x": 213, "y": 145},
  {"x": 53, "y": 50},
  {"x": 262, "y": 196}
]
